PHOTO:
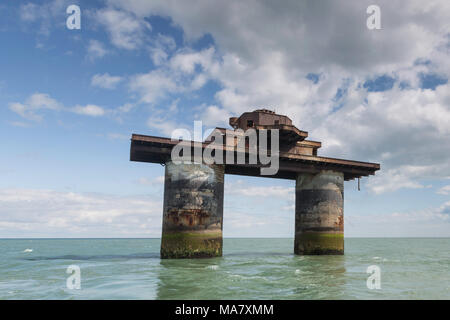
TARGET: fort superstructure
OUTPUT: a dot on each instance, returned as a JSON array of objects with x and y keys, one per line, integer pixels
[{"x": 194, "y": 191}]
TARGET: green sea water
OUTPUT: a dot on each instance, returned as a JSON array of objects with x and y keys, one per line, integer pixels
[{"x": 415, "y": 268}]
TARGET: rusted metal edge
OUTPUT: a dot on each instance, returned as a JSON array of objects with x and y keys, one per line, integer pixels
[
  {"x": 168, "y": 143},
  {"x": 285, "y": 127}
]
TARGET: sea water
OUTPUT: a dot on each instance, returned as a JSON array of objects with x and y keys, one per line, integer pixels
[{"x": 415, "y": 268}]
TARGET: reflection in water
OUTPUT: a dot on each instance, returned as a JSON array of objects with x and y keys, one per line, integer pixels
[
  {"x": 321, "y": 277},
  {"x": 189, "y": 278},
  {"x": 247, "y": 275}
]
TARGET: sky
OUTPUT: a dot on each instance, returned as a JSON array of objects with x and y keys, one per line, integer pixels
[{"x": 71, "y": 98}]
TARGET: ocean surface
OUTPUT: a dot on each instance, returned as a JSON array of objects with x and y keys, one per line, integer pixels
[{"x": 249, "y": 269}]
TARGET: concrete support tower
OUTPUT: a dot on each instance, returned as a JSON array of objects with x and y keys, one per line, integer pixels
[
  {"x": 193, "y": 211},
  {"x": 319, "y": 213}
]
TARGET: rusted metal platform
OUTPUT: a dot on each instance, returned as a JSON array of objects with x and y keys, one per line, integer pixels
[{"x": 158, "y": 150}]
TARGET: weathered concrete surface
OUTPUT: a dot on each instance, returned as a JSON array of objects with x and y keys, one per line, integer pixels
[
  {"x": 319, "y": 213},
  {"x": 193, "y": 211}
]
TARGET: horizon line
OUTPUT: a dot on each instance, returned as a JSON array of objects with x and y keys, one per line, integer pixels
[{"x": 109, "y": 238}]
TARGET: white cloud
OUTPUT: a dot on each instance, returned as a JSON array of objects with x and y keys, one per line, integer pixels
[
  {"x": 127, "y": 107},
  {"x": 186, "y": 61},
  {"x": 215, "y": 116},
  {"x": 28, "y": 12},
  {"x": 445, "y": 190},
  {"x": 125, "y": 29},
  {"x": 265, "y": 65},
  {"x": 421, "y": 223},
  {"x": 176, "y": 75},
  {"x": 277, "y": 192},
  {"x": 174, "y": 105},
  {"x": 158, "y": 56},
  {"x": 151, "y": 181},
  {"x": 160, "y": 47},
  {"x": 105, "y": 81},
  {"x": 119, "y": 112},
  {"x": 310, "y": 36},
  {"x": 241, "y": 224},
  {"x": 410, "y": 126},
  {"x": 30, "y": 212},
  {"x": 95, "y": 50},
  {"x": 35, "y": 103},
  {"x": 392, "y": 180},
  {"x": 45, "y": 15},
  {"x": 162, "y": 125},
  {"x": 89, "y": 110},
  {"x": 153, "y": 86},
  {"x": 34, "y": 106}
]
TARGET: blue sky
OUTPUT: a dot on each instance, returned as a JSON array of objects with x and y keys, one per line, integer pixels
[{"x": 70, "y": 100}]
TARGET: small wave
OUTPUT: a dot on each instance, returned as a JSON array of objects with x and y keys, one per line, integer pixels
[
  {"x": 28, "y": 250},
  {"x": 242, "y": 277},
  {"x": 298, "y": 271}
]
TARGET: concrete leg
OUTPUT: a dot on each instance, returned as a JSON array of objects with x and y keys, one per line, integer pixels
[
  {"x": 319, "y": 213},
  {"x": 193, "y": 211}
]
